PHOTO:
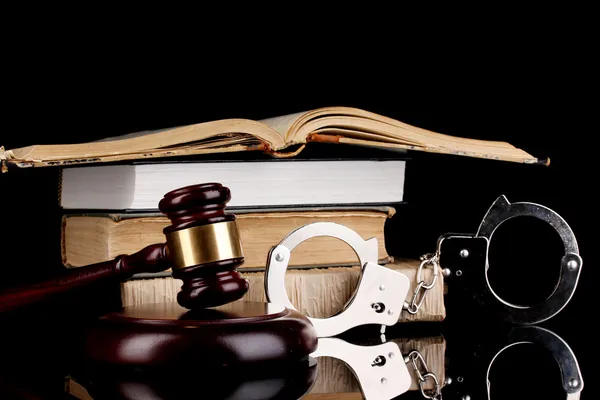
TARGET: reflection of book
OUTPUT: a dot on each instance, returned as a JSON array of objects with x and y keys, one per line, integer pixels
[
  {"x": 282, "y": 136},
  {"x": 316, "y": 292},
  {"x": 92, "y": 238},
  {"x": 335, "y": 377}
]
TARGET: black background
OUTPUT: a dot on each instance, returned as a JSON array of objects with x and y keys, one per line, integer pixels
[{"x": 526, "y": 98}]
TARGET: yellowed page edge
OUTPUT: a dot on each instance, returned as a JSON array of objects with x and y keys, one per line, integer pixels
[
  {"x": 364, "y": 115},
  {"x": 159, "y": 141},
  {"x": 146, "y": 155},
  {"x": 148, "y": 230},
  {"x": 519, "y": 159},
  {"x": 283, "y": 123},
  {"x": 418, "y": 137}
]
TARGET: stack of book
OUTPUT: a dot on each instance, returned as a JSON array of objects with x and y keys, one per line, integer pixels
[
  {"x": 112, "y": 210},
  {"x": 277, "y": 185}
]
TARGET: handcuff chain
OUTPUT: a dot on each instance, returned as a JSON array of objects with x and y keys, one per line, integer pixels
[
  {"x": 422, "y": 287},
  {"x": 423, "y": 374}
]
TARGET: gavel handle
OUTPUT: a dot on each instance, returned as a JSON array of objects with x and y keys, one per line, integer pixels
[{"x": 153, "y": 258}]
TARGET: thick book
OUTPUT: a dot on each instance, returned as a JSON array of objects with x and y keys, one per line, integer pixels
[
  {"x": 95, "y": 237},
  {"x": 252, "y": 183},
  {"x": 316, "y": 292},
  {"x": 283, "y": 136}
]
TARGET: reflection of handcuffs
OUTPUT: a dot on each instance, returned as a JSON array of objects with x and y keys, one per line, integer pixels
[
  {"x": 382, "y": 374},
  {"x": 484, "y": 347},
  {"x": 381, "y": 293}
]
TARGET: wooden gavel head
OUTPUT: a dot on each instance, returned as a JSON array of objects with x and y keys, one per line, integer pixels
[{"x": 204, "y": 246}]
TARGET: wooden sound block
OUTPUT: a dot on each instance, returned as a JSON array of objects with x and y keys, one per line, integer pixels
[{"x": 165, "y": 334}]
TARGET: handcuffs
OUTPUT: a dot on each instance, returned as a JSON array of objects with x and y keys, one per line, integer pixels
[{"x": 382, "y": 293}]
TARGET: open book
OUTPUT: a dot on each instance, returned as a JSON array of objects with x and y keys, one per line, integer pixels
[{"x": 283, "y": 136}]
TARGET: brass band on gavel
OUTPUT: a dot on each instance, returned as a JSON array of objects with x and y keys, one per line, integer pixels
[{"x": 204, "y": 244}]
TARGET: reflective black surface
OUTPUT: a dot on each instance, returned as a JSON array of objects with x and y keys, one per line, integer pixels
[{"x": 519, "y": 362}]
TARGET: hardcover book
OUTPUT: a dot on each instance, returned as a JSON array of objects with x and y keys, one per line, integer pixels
[
  {"x": 96, "y": 237},
  {"x": 252, "y": 183}
]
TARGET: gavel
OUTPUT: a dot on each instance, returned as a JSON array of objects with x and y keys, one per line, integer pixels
[
  {"x": 202, "y": 248},
  {"x": 206, "y": 326}
]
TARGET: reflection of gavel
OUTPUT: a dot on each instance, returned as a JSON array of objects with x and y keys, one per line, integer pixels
[{"x": 203, "y": 249}]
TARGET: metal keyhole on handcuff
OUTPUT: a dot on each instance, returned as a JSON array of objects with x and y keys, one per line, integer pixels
[{"x": 382, "y": 293}]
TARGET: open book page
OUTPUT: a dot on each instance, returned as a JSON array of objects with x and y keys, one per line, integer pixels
[
  {"x": 133, "y": 135},
  {"x": 338, "y": 124},
  {"x": 358, "y": 127},
  {"x": 185, "y": 140},
  {"x": 282, "y": 124}
]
